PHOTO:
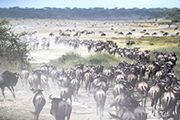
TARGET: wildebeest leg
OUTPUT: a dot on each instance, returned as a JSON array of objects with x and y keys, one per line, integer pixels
[
  {"x": 97, "y": 109},
  {"x": 71, "y": 100},
  {"x": 154, "y": 107},
  {"x": 149, "y": 75},
  {"x": 89, "y": 85},
  {"x": 117, "y": 111},
  {"x": 145, "y": 101},
  {"x": 12, "y": 91},
  {"x": 3, "y": 92},
  {"x": 36, "y": 117},
  {"x": 22, "y": 82},
  {"x": 102, "y": 109}
]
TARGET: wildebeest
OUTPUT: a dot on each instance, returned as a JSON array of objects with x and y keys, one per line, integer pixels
[
  {"x": 35, "y": 79},
  {"x": 154, "y": 94},
  {"x": 76, "y": 85},
  {"x": 165, "y": 34},
  {"x": 24, "y": 75},
  {"x": 88, "y": 79},
  {"x": 143, "y": 89},
  {"x": 38, "y": 101},
  {"x": 129, "y": 108},
  {"x": 129, "y": 33},
  {"x": 54, "y": 74},
  {"x": 153, "y": 68},
  {"x": 100, "y": 98},
  {"x": 60, "y": 108},
  {"x": 177, "y": 33},
  {"x": 67, "y": 92},
  {"x": 8, "y": 79}
]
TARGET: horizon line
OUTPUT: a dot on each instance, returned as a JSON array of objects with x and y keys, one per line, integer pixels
[{"x": 92, "y": 7}]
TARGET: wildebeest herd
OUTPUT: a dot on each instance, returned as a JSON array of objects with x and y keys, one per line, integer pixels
[{"x": 125, "y": 79}]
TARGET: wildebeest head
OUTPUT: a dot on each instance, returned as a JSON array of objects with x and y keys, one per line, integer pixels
[{"x": 54, "y": 104}]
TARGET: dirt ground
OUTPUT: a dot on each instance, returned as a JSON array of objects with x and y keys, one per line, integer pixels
[{"x": 21, "y": 107}]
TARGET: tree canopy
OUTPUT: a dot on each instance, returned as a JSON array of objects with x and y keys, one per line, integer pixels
[
  {"x": 97, "y": 13},
  {"x": 174, "y": 15},
  {"x": 12, "y": 49}
]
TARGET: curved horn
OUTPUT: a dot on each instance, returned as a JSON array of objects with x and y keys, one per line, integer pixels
[
  {"x": 50, "y": 97},
  {"x": 115, "y": 116},
  {"x": 130, "y": 87}
]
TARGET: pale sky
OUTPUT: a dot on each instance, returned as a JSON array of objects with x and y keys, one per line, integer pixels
[{"x": 90, "y": 3}]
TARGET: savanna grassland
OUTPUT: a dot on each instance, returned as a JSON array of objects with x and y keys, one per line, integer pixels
[{"x": 66, "y": 57}]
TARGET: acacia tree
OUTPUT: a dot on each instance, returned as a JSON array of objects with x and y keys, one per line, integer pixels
[{"x": 12, "y": 49}]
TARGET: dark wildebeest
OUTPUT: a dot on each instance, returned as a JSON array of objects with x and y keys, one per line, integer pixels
[
  {"x": 165, "y": 34},
  {"x": 129, "y": 33},
  {"x": 175, "y": 28},
  {"x": 103, "y": 34},
  {"x": 51, "y": 34},
  {"x": 100, "y": 98},
  {"x": 154, "y": 33},
  {"x": 60, "y": 108},
  {"x": 8, "y": 79},
  {"x": 177, "y": 33},
  {"x": 120, "y": 33},
  {"x": 38, "y": 101}
]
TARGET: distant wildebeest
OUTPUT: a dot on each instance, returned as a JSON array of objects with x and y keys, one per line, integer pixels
[
  {"x": 129, "y": 43},
  {"x": 146, "y": 33},
  {"x": 143, "y": 31},
  {"x": 120, "y": 33},
  {"x": 38, "y": 101},
  {"x": 175, "y": 28},
  {"x": 154, "y": 33},
  {"x": 165, "y": 34},
  {"x": 103, "y": 34},
  {"x": 60, "y": 109},
  {"x": 129, "y": 33},
  {"x": 177, "y": 33},
  {"x": 24, "y": 75},
  {"x": 133, "y": 30},
  {"x": 8, "y": 79},
  {"x": 51, "y": 34}
]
